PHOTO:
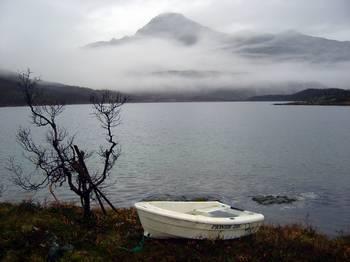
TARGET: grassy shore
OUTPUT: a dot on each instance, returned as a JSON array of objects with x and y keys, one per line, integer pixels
[{"x": 29, "y": 232}]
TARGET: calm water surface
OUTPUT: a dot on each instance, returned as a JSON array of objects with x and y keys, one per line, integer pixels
[{"x": 228, "y": 150}]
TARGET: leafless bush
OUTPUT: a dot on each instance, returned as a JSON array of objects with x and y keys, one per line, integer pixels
[{"x": 60, "y": 161}]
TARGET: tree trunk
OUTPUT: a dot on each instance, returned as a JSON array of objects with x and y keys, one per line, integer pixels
[{"x": 86, "y": 206}]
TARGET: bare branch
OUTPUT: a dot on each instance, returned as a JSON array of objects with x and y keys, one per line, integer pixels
[
  {"x": 24, "y": 181},
  {"x": 107, "y": 109},
  {"x": 59, "y": 160}
]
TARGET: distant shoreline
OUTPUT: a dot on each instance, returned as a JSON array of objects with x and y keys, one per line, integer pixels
[
  {"x": 310, "y": 104},
  {"x": 205, "y": 101},
  {"x": 153, "y": 102}
]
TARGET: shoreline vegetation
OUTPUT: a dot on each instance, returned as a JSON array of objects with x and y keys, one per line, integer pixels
[
  {"x": 29, "y": 231},
  {"x": 311, "y": 97},
  {"x": 310, "y": 103}
]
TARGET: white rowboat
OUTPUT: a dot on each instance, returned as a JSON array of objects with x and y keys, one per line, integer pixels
[{"x": 196, "y": 220}]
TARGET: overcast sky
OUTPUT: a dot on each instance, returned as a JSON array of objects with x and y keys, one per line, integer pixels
[
  {"x": 34, "y": 33},
  {"x": 77, "y": 22}
]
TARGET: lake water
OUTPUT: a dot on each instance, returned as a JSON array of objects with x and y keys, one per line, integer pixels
[{"x": 232, "y": 151}]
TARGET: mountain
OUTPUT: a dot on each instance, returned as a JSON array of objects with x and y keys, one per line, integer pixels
[
  {"x": 295, "y": 46},
  {"x": 176, "y": 27},
  {"x": 169, "y": 26},
  {"x": 212, "y": 72},
  {"x": 289, "y": 45},
  {"x": 327, "y": 96}
]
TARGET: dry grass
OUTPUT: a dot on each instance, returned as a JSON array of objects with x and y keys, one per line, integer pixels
[{"x": 31, "y": 232}]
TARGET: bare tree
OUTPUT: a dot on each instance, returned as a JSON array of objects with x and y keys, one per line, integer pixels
[{"x": 60, "y": 161}]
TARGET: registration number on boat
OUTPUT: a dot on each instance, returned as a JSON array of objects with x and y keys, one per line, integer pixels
[{"x": 221, "y": 227}]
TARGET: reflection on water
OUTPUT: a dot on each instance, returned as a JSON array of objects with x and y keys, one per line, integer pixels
[{"x": 231, "y": 151}]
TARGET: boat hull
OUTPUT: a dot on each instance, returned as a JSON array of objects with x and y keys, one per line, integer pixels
[{"x": 162, "y": 227}]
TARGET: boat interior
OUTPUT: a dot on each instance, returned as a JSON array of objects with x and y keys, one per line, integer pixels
[{"x": 208, "y": 208}]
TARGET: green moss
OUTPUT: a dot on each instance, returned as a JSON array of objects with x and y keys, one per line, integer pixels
[{"x": 31, "y": 232}]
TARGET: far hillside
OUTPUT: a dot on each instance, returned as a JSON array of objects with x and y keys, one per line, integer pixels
[
  {"x": 328, "y": 96},
  {"x": 12, "y": 95}
]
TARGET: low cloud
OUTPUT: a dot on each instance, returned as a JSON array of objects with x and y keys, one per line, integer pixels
[{"x": 162, "y": 66}]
